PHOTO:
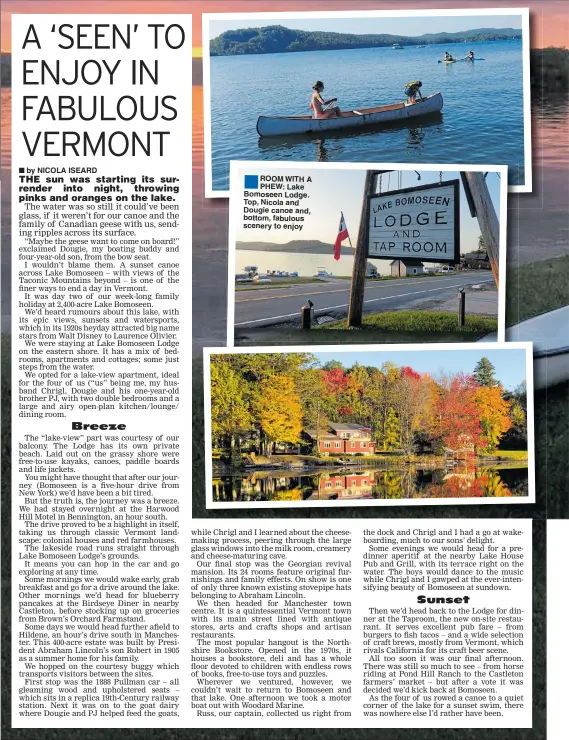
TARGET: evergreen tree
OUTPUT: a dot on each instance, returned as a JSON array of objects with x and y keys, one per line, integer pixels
[{"x": 484, "y": 373}]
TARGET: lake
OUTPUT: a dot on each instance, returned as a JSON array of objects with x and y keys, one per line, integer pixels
[
  {"x": 481, "y": 121},
  {"x": 305, "y": 264},
  {"x": 388, "y": 482}
]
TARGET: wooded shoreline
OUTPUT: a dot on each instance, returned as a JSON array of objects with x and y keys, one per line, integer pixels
[{"x": 280, "y": 39}]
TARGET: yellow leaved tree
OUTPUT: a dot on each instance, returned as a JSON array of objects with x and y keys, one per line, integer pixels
[{"x": 280, "y": 411}]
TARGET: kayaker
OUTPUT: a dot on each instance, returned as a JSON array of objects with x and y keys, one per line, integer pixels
[
  {"x": 469, "y": 56},
  {"x": 449, "y": 57},
  {"x": 412, "y": 89},
  {"x": 317, "y": 103}
]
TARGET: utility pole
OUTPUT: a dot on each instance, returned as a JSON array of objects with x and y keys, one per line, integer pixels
[
  {"x": 357, "y": 287},
  {"x": 487, "y": 219}
]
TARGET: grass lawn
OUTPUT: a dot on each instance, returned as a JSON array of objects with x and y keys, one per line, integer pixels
[
  {"x": 536, "y": 288},
  {"x": 391, "y": 327},
  {"x": 512, "y": 454},
  {"x": 428, "y": 322}
]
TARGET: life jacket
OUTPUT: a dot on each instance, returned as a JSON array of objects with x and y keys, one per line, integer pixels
[{"x": 416, "y": 83}]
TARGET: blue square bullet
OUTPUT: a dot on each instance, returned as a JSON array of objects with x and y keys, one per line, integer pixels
[{"x": 252, "y": 182}]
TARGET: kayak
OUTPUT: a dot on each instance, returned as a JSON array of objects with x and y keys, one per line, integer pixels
[{"x": 400, "y": 112}]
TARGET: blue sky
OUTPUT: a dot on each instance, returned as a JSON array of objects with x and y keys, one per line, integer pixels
[
  {"x": 510, "y": 364},
  {"x": 408, "y": 26}
]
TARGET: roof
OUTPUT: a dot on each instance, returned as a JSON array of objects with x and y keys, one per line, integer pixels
[
  {"x": 408, "y": 262},
  {"x": 349, "y": 427},
  {"x": 314, "y": 434}
]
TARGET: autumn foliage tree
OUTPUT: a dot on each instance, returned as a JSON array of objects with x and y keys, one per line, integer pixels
[
  {"x": 494, "y": 413},
  {"x": 230, "y": 413},
  {"x": 263, "y": 399},
  {"x": 279, "y": 411},
  {"x": 457, "y": 421}
]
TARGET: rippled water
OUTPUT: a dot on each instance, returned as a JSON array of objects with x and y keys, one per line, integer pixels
[
  {"x": 481, "y": 121},
  {"x": 376, "y": 483}
]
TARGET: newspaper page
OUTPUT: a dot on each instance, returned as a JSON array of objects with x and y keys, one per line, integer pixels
[
  {"x": 101, "y": 252},
  {"x": 284, "y": 366}
]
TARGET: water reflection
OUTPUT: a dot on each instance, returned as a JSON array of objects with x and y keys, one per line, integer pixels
[{"x": 463, "y": 481}]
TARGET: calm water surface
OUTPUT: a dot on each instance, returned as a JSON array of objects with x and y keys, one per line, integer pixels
[
  {"x": 373, "y": 484},
  {"x": 481, "y": 121},
  {"x": 304, "y": 264}
]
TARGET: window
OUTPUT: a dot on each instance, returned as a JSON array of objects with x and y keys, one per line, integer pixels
[
  {"x": 364, "y": 444},
  {"x": 337, "y": 445},
  {"x": 327, "y": 445},
  {"x": 353, "y": 445},
  {"x": 338, "y": 484},
  {"x": 328, "y": 484}
]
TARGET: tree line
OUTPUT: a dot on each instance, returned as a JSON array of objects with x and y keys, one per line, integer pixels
[
  {"x": 260, "y": 400},
  {"x": 280, "y": 39}
]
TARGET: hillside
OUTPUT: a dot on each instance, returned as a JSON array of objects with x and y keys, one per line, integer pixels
[
  {"x": 297, "y": 246},
  {"x": 278, "y": 39}
]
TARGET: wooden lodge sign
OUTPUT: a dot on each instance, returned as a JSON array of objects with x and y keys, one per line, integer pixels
[{"x": 420, "y": 223}]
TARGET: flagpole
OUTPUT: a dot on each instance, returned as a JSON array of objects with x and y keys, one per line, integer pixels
[{"x": 344, "y": 220}]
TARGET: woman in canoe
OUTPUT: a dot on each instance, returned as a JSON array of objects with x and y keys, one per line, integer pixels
[
  {"x": 317, "y": 103},
  {"x": 449, "y": 57},
  {"x": 469, "y": 57},
  {"x": 412, "y": 89}
]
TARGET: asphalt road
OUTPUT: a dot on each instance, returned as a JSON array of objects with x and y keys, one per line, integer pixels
[{"x": 263, "y": 307}]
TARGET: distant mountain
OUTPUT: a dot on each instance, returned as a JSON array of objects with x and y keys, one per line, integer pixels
[
  {"x": 278, "y": 39},
  {"x": 298, "y": 246}
]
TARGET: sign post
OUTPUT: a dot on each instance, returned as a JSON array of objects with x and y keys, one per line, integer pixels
[
  {"x": 357, "y": 287},
  {"x": 475, "y": 185}
]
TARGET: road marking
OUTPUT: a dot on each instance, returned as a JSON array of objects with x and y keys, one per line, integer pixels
[
  {"x": 339, "y": 290},
  {"x": 345, "y": 305}
]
